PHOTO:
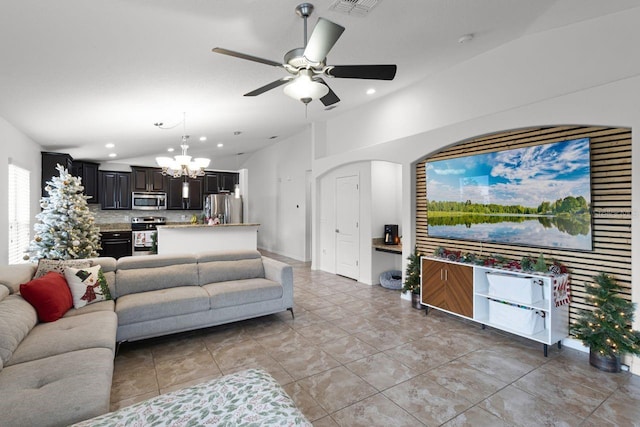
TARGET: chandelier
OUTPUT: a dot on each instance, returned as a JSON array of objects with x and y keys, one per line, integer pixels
[{"x": 182, "y": 165}]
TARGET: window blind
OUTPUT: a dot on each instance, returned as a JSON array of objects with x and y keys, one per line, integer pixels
[{"x": 19, "y": 213}]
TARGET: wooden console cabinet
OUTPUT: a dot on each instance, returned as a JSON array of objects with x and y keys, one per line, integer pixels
[
  {"x": 518, "y": 302},
  {"x": 447, "y": 286}
]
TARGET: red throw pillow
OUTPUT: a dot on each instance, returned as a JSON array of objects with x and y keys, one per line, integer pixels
[{"x": 49, "y": 295}]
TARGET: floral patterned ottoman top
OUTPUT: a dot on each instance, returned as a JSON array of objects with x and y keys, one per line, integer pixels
[{"x": 246, "y": 398}]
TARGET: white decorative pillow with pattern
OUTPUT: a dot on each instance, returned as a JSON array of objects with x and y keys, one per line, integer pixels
[
  {"x": 58, "y": 265},
  {"x": 87, "y": 285}
]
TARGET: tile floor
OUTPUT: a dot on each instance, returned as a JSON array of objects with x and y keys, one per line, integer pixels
[{"x": 357, "y": 355}]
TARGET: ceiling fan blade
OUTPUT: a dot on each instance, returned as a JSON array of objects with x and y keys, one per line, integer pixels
[
  {"x": 325, "y": 34},
  {"x": 269, "y": 86},
  {"x": 331, "y": 97},
  {"x": 374, "y": 72},
  {"x": 245, "y": 56}
]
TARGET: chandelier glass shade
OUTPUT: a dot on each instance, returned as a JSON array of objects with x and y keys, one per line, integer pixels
[
  {"x": 304, "y": 88},
  {"x": 182, "y": 165}
]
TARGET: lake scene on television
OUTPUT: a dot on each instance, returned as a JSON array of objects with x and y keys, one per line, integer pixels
[{"x": 536, "y": 196}]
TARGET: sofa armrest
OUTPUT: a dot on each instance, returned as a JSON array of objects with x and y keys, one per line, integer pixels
[{"x": 282, "y": 273}]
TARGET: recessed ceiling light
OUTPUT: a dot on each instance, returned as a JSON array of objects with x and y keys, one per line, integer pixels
[
  {"x": 371, "y": 91},
  {"x": 170, "y": 149},
  {"x": 465, "y": 38},
  {"x": 112, "y": 154},
  {"x": 220, "y": 145},
  {"x": 110, "y": 145},
  {"x": 203, "y": 138}
]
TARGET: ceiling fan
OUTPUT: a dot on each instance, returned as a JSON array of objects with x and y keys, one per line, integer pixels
[{"x": 307, "y": 65}]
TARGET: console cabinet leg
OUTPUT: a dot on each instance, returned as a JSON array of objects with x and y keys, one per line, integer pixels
[{"x": 546, "y": 350}]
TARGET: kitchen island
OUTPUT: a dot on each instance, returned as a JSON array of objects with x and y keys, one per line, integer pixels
[{"x": 194, "y": 238}]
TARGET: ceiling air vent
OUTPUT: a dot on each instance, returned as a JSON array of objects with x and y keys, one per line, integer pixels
[{"x": 354, "y": 7}]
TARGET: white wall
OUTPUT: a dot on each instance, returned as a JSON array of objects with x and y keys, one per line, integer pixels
[
  {"x": 17, "y": 149},
  {"x": 277, "y": 195},
  {"x": 386, "y": 208}
]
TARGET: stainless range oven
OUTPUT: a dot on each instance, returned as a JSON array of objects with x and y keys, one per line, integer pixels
[{"x": 143, "y": 229}]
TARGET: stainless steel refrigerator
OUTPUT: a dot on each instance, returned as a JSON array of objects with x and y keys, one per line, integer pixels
[{"x": 226, "y": 207}]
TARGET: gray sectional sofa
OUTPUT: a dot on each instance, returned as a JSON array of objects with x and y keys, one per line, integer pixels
[{"x": 60, "y": 372}]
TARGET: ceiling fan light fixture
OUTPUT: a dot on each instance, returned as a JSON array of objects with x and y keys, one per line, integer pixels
[{"x": 304, "y": 88}]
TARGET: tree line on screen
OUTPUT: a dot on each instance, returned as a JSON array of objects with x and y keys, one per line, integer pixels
[{"x": 568, "y": 205}]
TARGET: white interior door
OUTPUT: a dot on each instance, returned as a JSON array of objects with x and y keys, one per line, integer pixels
[{"x": 347, "y": 226}]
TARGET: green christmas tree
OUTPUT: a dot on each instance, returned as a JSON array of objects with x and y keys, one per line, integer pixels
[
  {"x": 412, "y": 281},
  {"x": 66, "y": 227},
  {"x": 607, "y": 329}
]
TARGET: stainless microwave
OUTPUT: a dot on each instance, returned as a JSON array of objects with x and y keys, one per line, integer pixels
[{"x": 148, "y": 201}]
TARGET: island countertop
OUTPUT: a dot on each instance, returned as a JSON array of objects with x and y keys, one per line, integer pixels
[{"x": 206, "y": 225}]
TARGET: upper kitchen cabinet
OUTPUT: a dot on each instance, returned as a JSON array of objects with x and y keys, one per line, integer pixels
[
  {"x": 49, "y": 163},
  {"x": 115, "y": 190},
  {"x": 227, "y": 181},
  {"x": 195, "y": 201},
  {"x": 88, "y": 171},
  {"x": 211, "y": 183},
  {"x": 148, "y": 179}
]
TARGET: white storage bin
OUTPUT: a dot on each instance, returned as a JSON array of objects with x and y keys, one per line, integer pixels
[
  {"x": 521, "y": 320},
  {"x": 524, "y": 289}
]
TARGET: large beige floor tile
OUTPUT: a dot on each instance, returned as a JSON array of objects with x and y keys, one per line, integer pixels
[
  {"x": 374, "y": 411},
  {"x": 429, "y": 402},
  {"x": 336, "y": 388}
]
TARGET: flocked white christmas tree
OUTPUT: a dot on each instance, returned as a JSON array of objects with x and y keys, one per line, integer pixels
[{"x": 66, "y": 227}]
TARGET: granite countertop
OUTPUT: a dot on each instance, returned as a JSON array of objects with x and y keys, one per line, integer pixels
[
  {"x": 183, "y": 225},
  {"x": 119, "y": 226},
  {"x": 378, "y": 244}
]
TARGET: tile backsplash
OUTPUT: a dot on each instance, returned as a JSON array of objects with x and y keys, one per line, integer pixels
[{"x": 124, "y": 216}]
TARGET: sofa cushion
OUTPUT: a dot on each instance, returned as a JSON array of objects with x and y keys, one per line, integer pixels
[
  {"x": 154, "y": 272},
  {"x": 68, "y": 334},
  {"x": 87, "y": 285},
  {"x": 17, "y": 318},
  {"x": 246, "y": 291},
  {"x": 50, "y": 296},
  {"x": 109, "y": 305},
  {"x": 223, "y": 271},
  {"x": 151, "y": 305},
  {"x": 4, "y": 292},
  {"x": 58, "y": 390},
  {"x": 12, "y": 276},
  {"x": 58, "y": 265}
]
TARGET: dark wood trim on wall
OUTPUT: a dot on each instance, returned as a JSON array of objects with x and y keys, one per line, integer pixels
[{"x": 611, "y": 204}]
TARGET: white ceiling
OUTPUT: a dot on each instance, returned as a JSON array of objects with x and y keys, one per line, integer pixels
[{"x": 77, "y": 74}]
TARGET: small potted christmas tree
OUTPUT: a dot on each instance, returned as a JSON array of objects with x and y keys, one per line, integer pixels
[
  {"x": 412, "y": 281},
  {"x": 607, "y": 329}
]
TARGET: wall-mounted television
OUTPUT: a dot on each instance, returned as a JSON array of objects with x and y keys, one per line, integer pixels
[{"x": 538, "y": 196}]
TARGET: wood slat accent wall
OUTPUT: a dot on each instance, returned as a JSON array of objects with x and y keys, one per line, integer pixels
[{"x": 610, "y": 199}]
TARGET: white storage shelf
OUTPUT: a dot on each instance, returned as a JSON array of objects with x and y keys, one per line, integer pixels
[{"x": 522, "y": 304}]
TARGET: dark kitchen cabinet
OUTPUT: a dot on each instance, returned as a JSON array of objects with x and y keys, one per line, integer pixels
[
  {"x": 88, "y": 171},
  {"x": 115, "y": 190},
  {"x": 195, "y": 201},
  {"x": 147, "y": 179},
  {"x": 49, "y": 163},
  {"x": 115, "y": 244},
  {"x": 211, "y": 183},
  {"x": 227, "y": 181}
]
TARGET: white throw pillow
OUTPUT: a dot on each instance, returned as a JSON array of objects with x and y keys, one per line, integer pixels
[
  {"x": 87, "y": 285},
  {"x": 58, "y": 265}
]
